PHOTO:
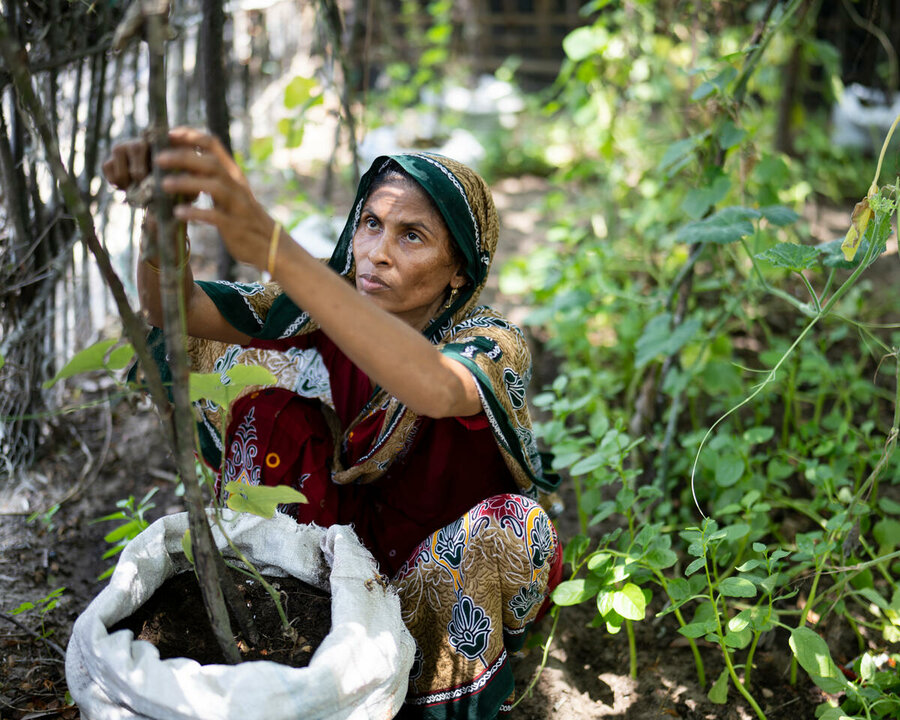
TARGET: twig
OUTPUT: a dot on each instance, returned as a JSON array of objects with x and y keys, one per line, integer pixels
[
  {"x": 52, "y": 645},
  {"x": 207, "y": 560}
]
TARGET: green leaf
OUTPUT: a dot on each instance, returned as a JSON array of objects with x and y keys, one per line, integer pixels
[
  {"x": 738, "y": 638},
  {"x": 892, "y": 507},
  {"x": 598, "y": 562},
  {"x": 738, "y": 531},
  {"x": 833, "y": 256},
  {"x": 572, "y": 592},
  {"x": 658, "y": 337},
  {"x": 729, "y": 469},
  {"x": 756, "y": 435},
  {"x": 27, "y": 605},
  {"x": 120, "y": 357},
  {"x": 584, "y": 42},
  {"x": 695, "y": 566},
  {"x": 813, "y": 655},
  {"x": 718, "y": 693},
  {"x": 299, "y": 90},
  {"x": 575, "y": 548},
  {"x": 679, "y": 153},
  {"x": 186, "y": 546},
  {"x": 209, "y": 386},
  {"x": 739, "y": 622},
  {"x": 791, "y": 256},
  {"x": 887, "y": 534},
  {"x": 779, "y": 215},
  {"x": 630, "y": 602},
  {"x": 589, "y": 464},
  {"x": 726, "y": 226},
  {"x": 261, "y": 500},
  {"x": 698, "y": 629},
  {"x": 661, "y": 558},
  {"x": 737, "y": 587},
  {"x": 678, "y": 589},
  {"x": 605, "y": 602},
  {"x": 716, "y": 84},
  {"x": 730, "y": 135},
  {"x": 128, "y": 530},
  {"x": 699, "y": 200},
  {"x": 867, "y": 667},
  {"x": 2, "y": 362},
  {"x": 613, "y": 622},
  {"x": 835, "y": 714},
  {"x": 91, "y": 358},
  {"x": 262, "y": 148},
  {"x": 749, "y": 565}
]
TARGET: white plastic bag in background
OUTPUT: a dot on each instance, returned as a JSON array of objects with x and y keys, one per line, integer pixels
[{"x": 359, "y": 672}]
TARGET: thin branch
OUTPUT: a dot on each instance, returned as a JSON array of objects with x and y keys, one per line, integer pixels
[{"x": 52, "y": 645}]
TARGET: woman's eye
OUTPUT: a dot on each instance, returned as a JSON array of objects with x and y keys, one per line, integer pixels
[
  {"x": 412, "y": 237},
  {"x": 371, "y": 223}
]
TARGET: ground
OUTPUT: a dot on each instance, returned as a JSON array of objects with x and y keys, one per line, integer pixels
[
  {"x": 110, "y": 451},
  {"x": 586, "y": 675}
]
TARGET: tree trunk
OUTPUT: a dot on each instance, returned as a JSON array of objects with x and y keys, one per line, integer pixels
[{"x": 215, "y": 94}]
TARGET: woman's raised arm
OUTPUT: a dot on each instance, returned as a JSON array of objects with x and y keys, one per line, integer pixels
[
  {"x": 391, "y": 352},
  {"x": 127, "y": 165}
]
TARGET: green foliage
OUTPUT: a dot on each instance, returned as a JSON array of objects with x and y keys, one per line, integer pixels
[
  {"x": 260, "y": 499},
  {"x": 45, "y": 517},
  {"x": 131, "y": 522},
  {"x": 714, "y": 357},
  {"x": 42, "y": 606},
  {"x": 99, "y": 356},
  {"x": 223, "y": 390}
]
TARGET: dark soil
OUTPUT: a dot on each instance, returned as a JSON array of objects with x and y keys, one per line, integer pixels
[{"x": 174, "y": 620}]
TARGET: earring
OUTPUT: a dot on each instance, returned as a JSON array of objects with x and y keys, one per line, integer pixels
[{"x": 450, "y": 299}]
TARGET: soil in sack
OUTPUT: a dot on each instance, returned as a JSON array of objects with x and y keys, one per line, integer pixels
[{"x": 174, "y": 620}]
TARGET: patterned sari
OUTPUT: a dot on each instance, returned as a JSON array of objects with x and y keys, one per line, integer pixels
[{"x": 473, "y": 571}]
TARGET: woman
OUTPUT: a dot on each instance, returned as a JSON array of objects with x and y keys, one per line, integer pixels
[{"x": 400, "y": 406}]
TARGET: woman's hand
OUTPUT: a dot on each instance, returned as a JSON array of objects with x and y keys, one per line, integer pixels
[
  {"x": 195, "y": 163},
  {"x": 128, "y": 163}
]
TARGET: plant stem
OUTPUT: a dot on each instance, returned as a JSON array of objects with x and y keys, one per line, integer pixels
[
  {"x": 632, "y": 649},
  {"x": 806, "y": 608},
  {"x": 695, "y": 651},
  {"x": 812, "y": 292},
  {"x": 582, "y": 515},
  {"x": 543, "y": 660},
  {"x": 873, "y": 188},
  {"x": 770, "y": 376},
  {"x": 727, "y": 655},
  {"x": 748, "y": 663}
]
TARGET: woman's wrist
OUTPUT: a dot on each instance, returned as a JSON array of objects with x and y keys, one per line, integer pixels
[{"x": 181, "y": 244}]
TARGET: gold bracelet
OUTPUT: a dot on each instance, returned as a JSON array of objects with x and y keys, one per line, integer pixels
[
  {"x": 273, "y": 248},
  {"x": 187, "y": 260}
]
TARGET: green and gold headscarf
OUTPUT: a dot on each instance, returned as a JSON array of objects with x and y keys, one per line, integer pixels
[{"x": 489, "y": 346}]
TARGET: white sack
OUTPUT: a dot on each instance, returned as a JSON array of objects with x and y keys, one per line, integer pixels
[{"x": 360, "y": 671}]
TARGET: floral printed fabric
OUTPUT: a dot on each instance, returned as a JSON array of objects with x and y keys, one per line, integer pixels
[{"x": 482, "y": 580}]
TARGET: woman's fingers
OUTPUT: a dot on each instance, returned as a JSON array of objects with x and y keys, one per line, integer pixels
[
  {"x": 207, "y": 145},
  {"x": 127, "y": 164}
]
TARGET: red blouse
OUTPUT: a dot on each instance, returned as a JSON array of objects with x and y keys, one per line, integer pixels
[{"x": 452, "y": 464}]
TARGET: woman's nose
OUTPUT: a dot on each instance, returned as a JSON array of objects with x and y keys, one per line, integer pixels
[{"x": 379, "y": 250}]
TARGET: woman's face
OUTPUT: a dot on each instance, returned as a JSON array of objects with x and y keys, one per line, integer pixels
[{"x": 403, "y": 254}]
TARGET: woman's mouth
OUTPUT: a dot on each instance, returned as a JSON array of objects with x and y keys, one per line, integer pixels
[{"x": 370, "y": 283}]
